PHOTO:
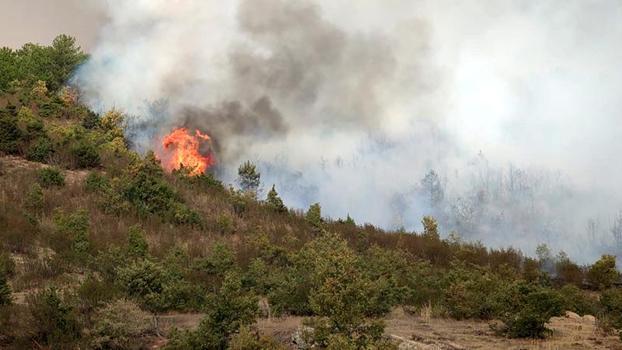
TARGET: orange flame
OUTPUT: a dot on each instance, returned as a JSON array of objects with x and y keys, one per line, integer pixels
[{"x": 183, "y": 149}]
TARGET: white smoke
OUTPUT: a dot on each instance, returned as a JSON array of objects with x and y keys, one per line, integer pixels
[{"x": 350, "y": 104}]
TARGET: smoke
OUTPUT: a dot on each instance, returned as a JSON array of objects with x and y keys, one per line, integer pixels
[
  {"x": 351, "y": 106},
  {"x": 39, "y": 21}
]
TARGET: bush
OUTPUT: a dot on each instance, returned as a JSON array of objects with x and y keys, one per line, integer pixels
[
  {"x": 226, "y": 312},
  {"x": 143, "y": 280},
  {"x": 40, "y": 150},
  {"x": 49, "y": 177},
  {"x": 96, "y": 182},
  {"x": 137, "y": 246},
  {"x": 120, "y": 324},
  {"x": 576, "y": 300},
  {"x": 603, "y": 274},
  {"x": 525, "y": 309},
  {"x": 275, "y": 202},
  {"x": 611, "y": 302},
  {"x": 314, "y": 215},
  {"x": 468, "y": 293},
  {"x": 34, "y": 197},
  {"x": 85, "y": 154},
  {"x": 9, "y": 133},
  {"x": 72, "y": 234},
  {"x": 52, "y": 320}
]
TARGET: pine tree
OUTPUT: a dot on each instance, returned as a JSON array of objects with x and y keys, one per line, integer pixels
[
  {"x": 275, "y": 201},
  {"x": 137, "y": 246},
  {"x": 314, "y": 215},
  {"x": 248, "y": 177}
]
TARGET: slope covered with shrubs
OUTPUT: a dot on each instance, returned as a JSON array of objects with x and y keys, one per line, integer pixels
[{"x": 101, "y": 240}]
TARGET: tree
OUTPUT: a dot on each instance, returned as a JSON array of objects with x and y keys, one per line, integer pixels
[
  {"x": 433, "y": 188},
  {"x": 137, "y": 246},
  {"x": 603, "y": 274},
  {"x": 248, "y": 177},
  {"x": 430, "y": 227},
  {"x": 314, "y": 215},
  {"x": 8, "y": 67},
  {"x": 65, "y": 56},
  {"x": 275, "y": 201},
  {"x": 226, "y": 312}
]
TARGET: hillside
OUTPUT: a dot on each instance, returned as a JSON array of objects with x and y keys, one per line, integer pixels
[{"x": 102, "y": 248}]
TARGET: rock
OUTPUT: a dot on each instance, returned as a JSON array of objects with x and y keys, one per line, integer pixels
[
  {"x": 589, "y": 319},
  {"x": 573, "y": 316}
]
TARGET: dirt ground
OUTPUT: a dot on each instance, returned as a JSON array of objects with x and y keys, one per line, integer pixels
[{"x": 421, "y": 333}]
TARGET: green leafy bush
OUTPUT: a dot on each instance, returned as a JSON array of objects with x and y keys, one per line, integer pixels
[
  {"x": 468, "y": 292},
  {"x": 603, "y": 273},
  {"x": 85, "y": 154},
  {"x": 577, "y": 300},
  {"x": 226, "y": 312},
  {"x": 9, "y": 133},
  {"x": 143, "y": 280},
  {"x": 525, "y": 309},
  {"x": 611, "y": 302},
  {"x": 49, "y": 177},
  {"x": 314, "y": 215},
  {"x": 137, "y": 246},
  {"x": 40, "y": 150},
  {"x": 96, "y": 182}
]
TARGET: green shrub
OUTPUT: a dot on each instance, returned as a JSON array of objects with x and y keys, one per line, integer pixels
[
  {"x": 53, "y": 322},
  {"x": 143, "y": 280},
  {"x": 603, "y": 274},
  {"x": 9, "y": 133},
  {"x": 226, "y": 312},
  {"x": 30, "y": 125},
  {"x": 34, "y": 197},
  {"x": 137, "y": 246},
  {"x": 72, "y": 234},
  {"x": 576, "y": 300},
  {"x": 468, "y": 293},
  {"x": 120, "y": 324},
  {"x": 96, "y": 182},
  {"x": 275, "y": 202},
  {"x": 611, "y": 302},
  {"x": 49, "y": 177},
  {"x": 314, "y": 215},
  {"x": 40, "y": 150},
  {"x": 525, "y": 309},
  {"x": 85, "y": 154}
]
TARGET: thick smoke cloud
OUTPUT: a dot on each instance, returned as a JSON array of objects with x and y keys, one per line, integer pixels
[{"x": 514, "y": 104}]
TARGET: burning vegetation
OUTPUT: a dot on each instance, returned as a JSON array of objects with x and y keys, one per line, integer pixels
[{"x": 182, "y": 148}]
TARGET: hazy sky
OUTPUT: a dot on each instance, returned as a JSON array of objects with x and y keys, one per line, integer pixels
[{"x": 39, "y": 21}]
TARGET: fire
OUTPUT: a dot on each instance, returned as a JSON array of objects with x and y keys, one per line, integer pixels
[{"x": 182, "y": 148}]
